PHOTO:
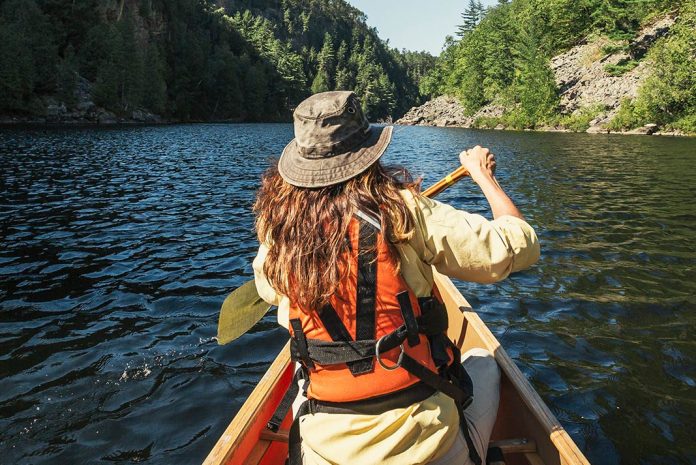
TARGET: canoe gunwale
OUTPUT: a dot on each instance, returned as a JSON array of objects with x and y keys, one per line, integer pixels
[{"x": 554, "y": 444}]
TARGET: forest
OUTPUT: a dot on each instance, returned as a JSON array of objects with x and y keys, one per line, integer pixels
[
  {"x": 200, "y": 60},
  {"x": 501, "y": 56}
]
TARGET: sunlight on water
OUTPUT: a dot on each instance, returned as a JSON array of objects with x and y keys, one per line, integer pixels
[{"x": 120, "y": 244}]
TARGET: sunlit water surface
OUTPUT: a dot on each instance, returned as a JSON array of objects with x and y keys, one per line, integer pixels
[{"x": 119, "y": 245}]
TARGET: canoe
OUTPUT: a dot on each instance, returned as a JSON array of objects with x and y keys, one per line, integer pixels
[{"x": 525, "y": 429}]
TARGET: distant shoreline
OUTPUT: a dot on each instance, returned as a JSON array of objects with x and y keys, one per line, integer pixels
[{"x": 39, "y": 123}]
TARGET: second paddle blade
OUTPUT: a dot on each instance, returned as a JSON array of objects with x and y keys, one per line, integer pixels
[{"x": 241, "y": 310}]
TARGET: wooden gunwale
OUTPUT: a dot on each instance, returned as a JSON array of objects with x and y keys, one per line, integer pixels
[{"x": 522, "y": 413}]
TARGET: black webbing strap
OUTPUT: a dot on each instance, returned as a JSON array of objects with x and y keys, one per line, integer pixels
[
  {"x": 338, "y": 352},
  {"x": 436, "y": 381},
  {"x": 409, "y": 316},
  {"x": 433, "y": 319},
  {"x": 403, "y": 398},
  {"x": 294, "y": 438},
  {"x": 300, "y": 340},
  {"x": 348, "y": 348},
  {"x": 366, "y": 292},
  {"x": 495, "y": 455},
  {"x": 333, "y": 324},
  {"x": 286, "y": 402}
]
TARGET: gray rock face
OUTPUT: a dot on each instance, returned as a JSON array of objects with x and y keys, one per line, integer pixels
[
  {"x": 441, "y": 111},
  {"x": 582, "y": 80},
  {"x": 106, "y": 117}
]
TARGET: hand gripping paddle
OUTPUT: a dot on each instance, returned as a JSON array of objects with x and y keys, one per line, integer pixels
[{"x": 243, "y": 308}]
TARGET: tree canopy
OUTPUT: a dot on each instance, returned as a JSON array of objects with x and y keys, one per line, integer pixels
[
  {"x": 200, "y": 59},
  {"x": 502, "y": 56}
]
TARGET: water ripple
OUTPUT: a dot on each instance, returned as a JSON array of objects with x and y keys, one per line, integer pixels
[{"x": 120, "y": 244}]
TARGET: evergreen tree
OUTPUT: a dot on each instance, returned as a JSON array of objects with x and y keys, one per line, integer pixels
[
  {"x": 17, "y": 73},
  {"x": 28, "y": 56},
  {"x": 320, "y": 82},
  {"x": 327, "y": 59},
  {"x": 154, "y": 85},
  {"x": 470, "y": 18},
  {"x": 615, "y": 17},
  {"x": 67, "y": 76},
  {"x": 535, "y": 86}
]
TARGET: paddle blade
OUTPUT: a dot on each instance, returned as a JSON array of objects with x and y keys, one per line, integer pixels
[{"x": 241, "y": 310}]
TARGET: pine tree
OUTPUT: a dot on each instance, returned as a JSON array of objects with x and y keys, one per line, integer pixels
[
  {"x": 535, "y": 86},
  {"x": 326, "y": 65},
  {"x": 154, "y": 85},
  {"x": 320, "y": 82},
  {"x": 67, "y": 76},
  {"x": 480, "y": 10},
  {"x": 615, "y": 17},
  {"x": 470, "y": 18},
  {"x": 17, "y": 73}
]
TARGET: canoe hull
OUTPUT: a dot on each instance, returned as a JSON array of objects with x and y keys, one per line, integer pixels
[{"x": 523, "y": 418}]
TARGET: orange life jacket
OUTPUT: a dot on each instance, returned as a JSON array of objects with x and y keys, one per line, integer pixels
[
  {"x": 372, "y": 302},
  {"x": 374, "y": 347}
]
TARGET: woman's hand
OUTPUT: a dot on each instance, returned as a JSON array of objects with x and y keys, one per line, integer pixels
[{"x": 479, "y": 162}]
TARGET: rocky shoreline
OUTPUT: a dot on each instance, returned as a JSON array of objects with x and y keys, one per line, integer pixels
[
  {"x": 587, "y": 89},
  {"x": 82, "y": 111}
]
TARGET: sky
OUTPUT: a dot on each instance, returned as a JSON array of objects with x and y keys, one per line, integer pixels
[{"x": 415, "y": 24}]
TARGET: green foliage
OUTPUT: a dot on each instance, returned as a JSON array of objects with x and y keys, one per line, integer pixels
[
  {"x": 625, "y": 118},
  {"x": 580, "y": 120},
  {"x": 473, "y": 15},
  {"x": 534, "y": 85},
  {"x": 67, "y": 76},
  {"x": 620, "y": 68},
  {"x": 504, "y": 59},
  {"x": 28, "y": 55},
  {"x": 668, "y": 95},
  {"x": 154, "y": 84},
  {"x": 194, "y": 60},
  {"x": 614, "y": 47}
]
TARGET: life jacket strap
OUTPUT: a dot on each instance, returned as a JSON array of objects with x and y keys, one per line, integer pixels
[
  {"x": 412, "y": 331},
  {"x": 366, "y": 297},
  {"x": 339, "y": 334},
  {"x": 288, "y": 398},
  {"x": 299, "y": 340}
]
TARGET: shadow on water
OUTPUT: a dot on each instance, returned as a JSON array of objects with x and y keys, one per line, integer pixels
[{"x": 119, "y": 245}]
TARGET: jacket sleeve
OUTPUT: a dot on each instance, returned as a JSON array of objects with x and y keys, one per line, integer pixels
[
  {"x": 266, "y": 291},
  {"x": 470, "y": 247}
]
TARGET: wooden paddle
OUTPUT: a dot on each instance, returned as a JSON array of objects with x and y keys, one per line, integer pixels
[{"x": 243, "y": 308}]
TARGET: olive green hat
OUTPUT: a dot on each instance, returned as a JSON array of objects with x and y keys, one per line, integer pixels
[{"x": 333, "y": 141}]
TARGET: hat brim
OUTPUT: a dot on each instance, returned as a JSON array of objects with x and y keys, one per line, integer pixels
[{"x": 320, "y": 172}]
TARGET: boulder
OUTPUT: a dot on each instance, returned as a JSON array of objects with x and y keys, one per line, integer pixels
[
  {"x": 106, "y": 117},
  {"x": 647, "y": 130}
]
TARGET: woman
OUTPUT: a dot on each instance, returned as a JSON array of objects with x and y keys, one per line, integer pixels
[{"x": 347, "y": 253}]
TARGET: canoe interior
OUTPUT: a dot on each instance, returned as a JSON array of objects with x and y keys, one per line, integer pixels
[{"x": 521, "y": 415}]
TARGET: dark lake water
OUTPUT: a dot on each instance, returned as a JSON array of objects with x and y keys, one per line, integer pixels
[{"x": 119, "y": 245}]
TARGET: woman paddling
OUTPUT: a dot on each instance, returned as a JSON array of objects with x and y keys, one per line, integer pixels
[{"x": 346, "y": 253}]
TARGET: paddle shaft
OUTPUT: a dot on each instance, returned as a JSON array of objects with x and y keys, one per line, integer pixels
[{"x": 446, "y": 182}]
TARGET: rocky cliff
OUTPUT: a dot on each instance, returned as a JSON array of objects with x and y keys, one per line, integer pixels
[{"x": 593, "y": 78}]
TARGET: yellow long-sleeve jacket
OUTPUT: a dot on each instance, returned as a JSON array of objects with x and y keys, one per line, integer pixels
[{"x": 457, "y": 244}]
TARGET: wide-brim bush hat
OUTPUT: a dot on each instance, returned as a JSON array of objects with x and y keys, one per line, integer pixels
[{"x": 333, "y": 141}]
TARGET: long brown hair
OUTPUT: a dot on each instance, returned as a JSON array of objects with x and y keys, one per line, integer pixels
[{"x": 305, "y": 229}]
